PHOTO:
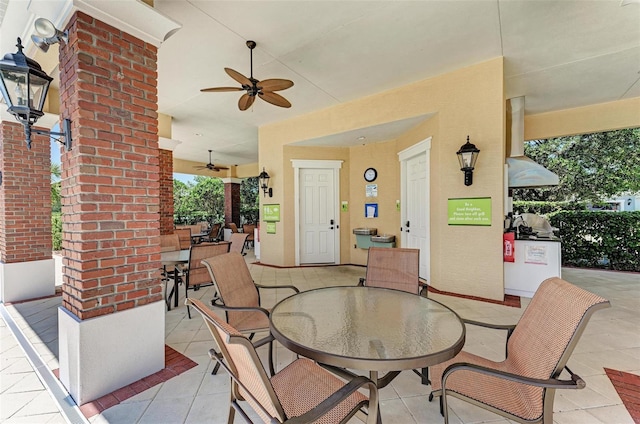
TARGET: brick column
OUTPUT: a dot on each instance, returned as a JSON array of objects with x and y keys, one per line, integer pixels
[
  {"x": 113, "y": 307},
  {"x": 166, "y": 191},
  {"x": 231, "y": 201},
  {"x": 26, "y": 265}
]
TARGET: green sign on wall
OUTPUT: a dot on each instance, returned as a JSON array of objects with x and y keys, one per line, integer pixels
[
  {"x": 271, "y": 213},
  {"x": 470, "y": 211},
  {"x": 271, "y": 227}
]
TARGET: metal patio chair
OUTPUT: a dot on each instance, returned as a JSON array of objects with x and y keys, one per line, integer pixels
[
  {"x": 214, "y": 233},
  {"x": 303, "y": 392},
  {"x": 238, "y": 242},
  {"x": 184, "y": 234},
  {"x": 239, "y": 296},
  {"x": 194, "y": 274},
  {"x": 522, "y": 387},
  {"x": 248, "y": 229}
]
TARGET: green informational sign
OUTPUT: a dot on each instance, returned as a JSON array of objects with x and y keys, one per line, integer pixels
[
  {"x": 271, "y": 227},
  {"x": 344, "y": 206},
  {"x": 271, "y": 213},
  {"x": 470, "y": 211}
]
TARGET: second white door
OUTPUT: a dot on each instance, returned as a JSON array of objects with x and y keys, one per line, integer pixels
[{"x": 318, "y": 225}]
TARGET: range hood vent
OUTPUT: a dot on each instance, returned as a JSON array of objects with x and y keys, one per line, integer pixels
[{"x": 523, "y": 172}]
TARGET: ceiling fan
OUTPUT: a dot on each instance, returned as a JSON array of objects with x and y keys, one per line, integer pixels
[
  {"x": 253, "y": 87},
  {"x": 210, "y": 166}
]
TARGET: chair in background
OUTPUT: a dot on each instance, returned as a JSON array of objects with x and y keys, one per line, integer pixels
[
  {"x": 397, "y": 269},
  {"x": 522, "y": 387},
  {"x": 214, "y": 233},
  {"x": 239, "y": 296},
  {"x": 195, "y": 275},
  {"x": 394, "y": 268},
  {"x": 238, "y": 241},
  {"x": 184, "y": 235},
  {"x": 303, "y": 392},
  {"x": 233, "y": 227},
  {"x": 248, "y": 229},
  {"x": 169, "y": 242}
]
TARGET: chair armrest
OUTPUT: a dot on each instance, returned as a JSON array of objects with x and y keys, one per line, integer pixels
[
  {"x": 263, "y": 341},
  {"x": 216, "y": 304},
  {"x": 508, "y": 327},
  {"x": 332, "y": 401},
  {"x": 576, "y": 381},
  {"x": 294, "y": 288}
]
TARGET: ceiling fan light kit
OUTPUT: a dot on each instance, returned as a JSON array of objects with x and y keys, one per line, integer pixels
[{"x": 255, "y": 88}]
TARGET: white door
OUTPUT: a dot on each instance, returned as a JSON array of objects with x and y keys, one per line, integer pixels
[
  {"x": 415, "y": 202},
  {"x": 318, "y": 225}
]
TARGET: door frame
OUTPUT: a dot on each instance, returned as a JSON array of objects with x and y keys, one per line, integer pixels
[
  {"x": 421, "y": 148},
  {"x": 299, "y": 164}
]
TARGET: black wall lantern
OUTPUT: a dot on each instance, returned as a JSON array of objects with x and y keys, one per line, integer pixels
[
  {"x": 24, "y": 86},
  {"x": 264, "y": 183},
  {"x": 467, "y": 156}
]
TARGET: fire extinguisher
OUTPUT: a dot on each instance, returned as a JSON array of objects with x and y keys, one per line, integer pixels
[{"x": 509, "y": 247}]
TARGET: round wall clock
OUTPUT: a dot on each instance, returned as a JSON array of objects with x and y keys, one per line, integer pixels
[{"x": 370, "y": 174}]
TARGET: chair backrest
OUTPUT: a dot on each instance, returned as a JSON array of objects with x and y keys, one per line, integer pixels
[
  {"x": 394, "y": 268},
  {"x": 215, "y": 230},
  {"x": 237, "y": 242},
  {"x": 248, "y": 229},
  {"x": 234, "y": 283},
  {"x": 549, "y": 329},
  {"x": 233, "y": 227},
  {"x": 169, "y": 242},
  {"x": 198, "y": 273},
  {"x": 184, "y": 235},
  {"x": 244, "y": 364}
]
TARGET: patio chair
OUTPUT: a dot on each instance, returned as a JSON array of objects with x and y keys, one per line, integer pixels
[
  {"x": 397, "y": 269},
  {"x": 233, "y": 227},
  {"x": 522, "y": 387},
  {"x": 239, "y": 296},
  {"x": 303, "y": 392},
  {"x": 248, "y": 229},
  {"x": 184, "y": 235},
  {"x": 169, "y": 242},
  {"x": 194, "y": 274},
  {"x": 214, "y": 233},
  {"x": 394, "y": 268},
  {"x": 238, "y": 242}
]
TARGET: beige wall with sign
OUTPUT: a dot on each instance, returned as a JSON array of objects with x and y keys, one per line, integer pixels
[{"x": 468, "y": 101}]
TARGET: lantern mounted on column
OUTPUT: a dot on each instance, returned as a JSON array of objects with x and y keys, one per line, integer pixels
[
  {"x": 467, "y": 156},
  {"x": 24, "y": 86},
  {"x": 264, "y": 183}
]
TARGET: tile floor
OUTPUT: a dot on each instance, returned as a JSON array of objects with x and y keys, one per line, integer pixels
[{"x": 612, "y": 340}]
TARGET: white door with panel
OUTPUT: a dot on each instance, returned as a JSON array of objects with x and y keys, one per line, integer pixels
[
  {"x": 317, "y": 216},
  {"x": 415, "y": 202}
]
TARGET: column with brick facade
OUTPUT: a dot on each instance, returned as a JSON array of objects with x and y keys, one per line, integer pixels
[
  {"x": 111, "y": 323},
  {"x": 232, "y": 200},
  {"x": 26, "y": 265},
  {"x": 166, "y": 191}
]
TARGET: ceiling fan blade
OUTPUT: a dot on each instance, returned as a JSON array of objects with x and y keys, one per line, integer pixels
[
  {"x": 275, "y": 84},
  {"x": 246, "y": 101},
  {"x": 238, "y": 76},
  {"x": 219, "y": 168},
  {"x": 218, "y": 89},
  {"x": 274, "y": 99}
]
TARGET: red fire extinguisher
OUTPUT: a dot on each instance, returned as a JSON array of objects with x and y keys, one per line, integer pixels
[{"x": 509, "y": 247}]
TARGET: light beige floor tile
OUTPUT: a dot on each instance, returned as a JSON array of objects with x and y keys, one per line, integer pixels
[
  {"x": 165, "y": 411},
  {"x": 29, "y": 383},
  {"x": 185, "y": 385},
  {"x": 42, "y": 403},
  {"x": 577, "y": 417},
  {"x": 617, "y": 414},
  {"x": 394, "y": 411},
  {"x": 36, "y": 419},
  {"x": 123, "y": 413},
  {"x": 207, "y": 409},
  {"x": 10, "y": 403}
]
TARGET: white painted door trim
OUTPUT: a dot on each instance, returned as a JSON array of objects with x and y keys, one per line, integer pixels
[
  {"x": 421, "y": 148},
  {"x": 336, "y": 165}
]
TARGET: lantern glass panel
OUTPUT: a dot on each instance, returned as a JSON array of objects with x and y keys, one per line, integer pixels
[{"x": 16, "y": 86}]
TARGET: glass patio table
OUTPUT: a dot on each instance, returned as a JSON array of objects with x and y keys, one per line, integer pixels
[{"x": 368, "y": 329}]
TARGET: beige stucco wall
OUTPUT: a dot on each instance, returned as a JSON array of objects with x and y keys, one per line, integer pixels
[
  {"x": 583, "y": 120},
  {"x": 468, "y": 101}
]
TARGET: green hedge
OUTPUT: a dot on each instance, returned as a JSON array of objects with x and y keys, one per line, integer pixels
[
  {"x": 609, "y": 240},
  {"x": 545, "y": 208},
  {"x": 56, "y": 230}
]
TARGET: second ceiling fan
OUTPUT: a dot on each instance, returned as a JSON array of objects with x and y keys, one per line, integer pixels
[
  {"x": 253, "y": 87},
  {"x": 210, "y": 166}
]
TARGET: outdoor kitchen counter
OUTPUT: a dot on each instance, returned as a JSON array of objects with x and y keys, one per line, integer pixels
[{"x": 535, "y": 261}]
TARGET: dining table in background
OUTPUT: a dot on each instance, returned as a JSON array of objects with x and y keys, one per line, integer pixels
[{"x": 171, "y": 259}]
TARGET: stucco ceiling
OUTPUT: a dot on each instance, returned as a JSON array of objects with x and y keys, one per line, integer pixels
[{"x": 558, "y": 54}]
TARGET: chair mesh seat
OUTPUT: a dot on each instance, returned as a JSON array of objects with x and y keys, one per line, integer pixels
[{"x": 303, "y": 384}]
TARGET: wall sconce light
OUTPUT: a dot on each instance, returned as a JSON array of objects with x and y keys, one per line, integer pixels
[
  {"x": 264, "y": 183},
  {"x": 467, "y": 156},
  {"x": 48, "y": 34},
  {"x": 24, "y": 86}
]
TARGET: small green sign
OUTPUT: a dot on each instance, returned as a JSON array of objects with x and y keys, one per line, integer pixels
[
  {"x": 271, "y": 227},
  {"x": 470, "y": 211},
  {"x": 271, "y": 213},
  {"x": 344, "y": 206}
]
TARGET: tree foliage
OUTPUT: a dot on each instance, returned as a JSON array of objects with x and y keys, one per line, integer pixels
[
  {"x": 249, "y": 200},
  {"x": 591, "y": 167}
]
